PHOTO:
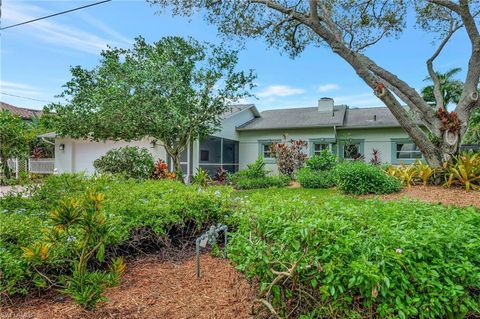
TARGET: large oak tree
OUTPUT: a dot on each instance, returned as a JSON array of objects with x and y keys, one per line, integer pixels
[
  {"x": 173, "y": 90},
  {"x": 349, "y": 27}
]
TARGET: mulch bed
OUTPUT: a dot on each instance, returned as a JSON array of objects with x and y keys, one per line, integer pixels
[
  {"x": 156, "y": 289},
  {"x": 436, "y": 194}
]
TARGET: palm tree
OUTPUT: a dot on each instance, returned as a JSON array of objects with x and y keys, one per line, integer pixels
[{"x": 451, "y": 89}]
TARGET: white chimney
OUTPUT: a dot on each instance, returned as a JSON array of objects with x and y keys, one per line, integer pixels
[{"x": 325, "y": 104}]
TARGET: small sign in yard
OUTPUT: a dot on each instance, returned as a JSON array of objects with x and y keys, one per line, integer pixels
[{"x": 210, "y": 237}]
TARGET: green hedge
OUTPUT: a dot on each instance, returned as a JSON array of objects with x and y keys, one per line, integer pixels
[
  {"x": 360, "y": 178},
  {"x": 161, "y": 206},
  {"x": 128, "y": 161},
  {"x": 315, "y": 179},
  {"x": 357, "y": 258},
  {"x": 262, "y": 182}
]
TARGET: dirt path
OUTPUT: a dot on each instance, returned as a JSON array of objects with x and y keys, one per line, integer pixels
[
  {"x": 157, "y": 290},
  {"x": 436, "y": 194}
]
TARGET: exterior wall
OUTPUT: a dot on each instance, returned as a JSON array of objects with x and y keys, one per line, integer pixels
[
  {"x": 250, "y": 141},
  {"x": 379, "y": 138},
  {"x": 229, "y": 125},
  {"x": 79, "y": 155}
]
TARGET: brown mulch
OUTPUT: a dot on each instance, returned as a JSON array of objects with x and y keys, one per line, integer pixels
[
  {"x": 157, "y": 289},
  {"x": 436, "y": 194}
]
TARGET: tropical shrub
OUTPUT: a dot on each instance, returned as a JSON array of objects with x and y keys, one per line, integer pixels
[
  {"x": 375, "y": 160},
  {"x": 324, "y": 161},
  {"x": 338, "y": 258},
  {"x": 290, "y": 155},
  {"x": 221, "y": 176},
  {"x": 160, "y": 171},
  {"x": 128, "y": 161},
  {"x": 157, "y": 210},
  {"x": 309, "y": 178},
  {"x": 201, "y": 177},
  {"x": 254, "y": 170},
  {"x": 360, "y": 178},
  {"x": 80, "y": 227},
  {"x": 465, "y": 171}
]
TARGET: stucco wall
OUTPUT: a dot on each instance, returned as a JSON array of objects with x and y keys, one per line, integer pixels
[
  {"x": 379, "y": 138},
  {"x": 249, "y": 141},
  {"x": 79, "y": 155},
  {"x": 229, "y": 125}
]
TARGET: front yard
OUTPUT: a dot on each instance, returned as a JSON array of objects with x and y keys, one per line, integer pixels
[{"x": 306, "y": 252}]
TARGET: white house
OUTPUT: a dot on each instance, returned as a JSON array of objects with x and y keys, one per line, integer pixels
[{"x": 246, "y": 134}]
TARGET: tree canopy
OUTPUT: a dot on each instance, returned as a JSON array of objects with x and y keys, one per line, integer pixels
[
  {"x": 349, "y": 27},
  {"x": 173, "y": 90},
  {"x": 450, "y": 88},
  {"x": 15, "y": 136}
]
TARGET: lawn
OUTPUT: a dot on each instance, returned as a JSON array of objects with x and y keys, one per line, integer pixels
[{"x": 313, "y": 252}]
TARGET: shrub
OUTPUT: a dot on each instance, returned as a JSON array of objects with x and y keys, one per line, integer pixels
[
  {"x": 263, "y": 182},
  {"x": 253, "y": 170},
  {"x": 339, "y": 258},
  {"x": 290, "y": 155},
  {"x": 359, "y": 178},
  {"x": 129, "y": 161},
  {"x": 315, "y": 179},
  {"x": 465, "y": 171},
  {"x": 221, "y": 176},
  {"x": 201, "y": 177},
  {"x": 157, "y": 210},
  {"x": 376, "y": 160},
  {"x": 324, "y": 161},
  {"x": 160, "y": 171}
]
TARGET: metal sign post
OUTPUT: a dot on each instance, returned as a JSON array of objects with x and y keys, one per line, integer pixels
[{"x": 210, "y": 237}]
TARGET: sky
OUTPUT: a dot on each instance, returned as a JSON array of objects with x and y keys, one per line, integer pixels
[{"x": 36, "y": 57}]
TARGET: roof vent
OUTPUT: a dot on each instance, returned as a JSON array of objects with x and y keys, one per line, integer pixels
[{"x": 325, "y": 104}]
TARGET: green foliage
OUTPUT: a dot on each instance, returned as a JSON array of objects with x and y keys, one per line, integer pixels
[
  {"x": 334, "y": 257},
  {"x": 359, "y": 178},
  {"x": 159, "y": 207},
  {"x": 201, "y": 177},
  {"x": 128, "y": 161},
  {"x": 263, "y": 182},
  {"x": 324, "y": 161},
  {"x": 309, "y": 178},
  {"x": 256, "y": 176},
  {"x": 172, "y": 90},
  {"x": 465, "y": 171},
  {"x": 15, "y": 136},
  {"x": 450, "y": 88},
  {"x": 289, "y": 156}
]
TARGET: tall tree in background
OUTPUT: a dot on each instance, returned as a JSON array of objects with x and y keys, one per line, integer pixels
[
  {"x": 349, "y": 28},
  {"x": 450, "y": 88},
  {"x": 14, "y": 140},
  {"x": 173, "y": 90}
]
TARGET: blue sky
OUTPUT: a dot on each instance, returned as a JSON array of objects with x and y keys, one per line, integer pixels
[{"x": 35, "y": 58}]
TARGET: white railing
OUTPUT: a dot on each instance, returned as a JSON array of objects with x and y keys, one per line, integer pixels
[{"x": 41, "y": 166}]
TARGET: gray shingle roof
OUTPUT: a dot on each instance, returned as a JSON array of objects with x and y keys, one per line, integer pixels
[
  {"x": 369, "y": 117},
  {"x": 310, "y": 117},
  {"x": 233, "y": 109},
  {"x": 295, "y": 118}
]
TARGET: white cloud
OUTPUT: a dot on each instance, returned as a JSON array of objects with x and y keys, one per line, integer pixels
[
  {"x": 56, "y": 33},
  {"x": 328, "y": 87},
  {"x": 279, "y": 90},
  {"x": 18, "y": 88}
]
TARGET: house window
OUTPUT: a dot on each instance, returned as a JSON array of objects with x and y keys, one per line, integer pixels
[
  {"x": 351, "y": 151},
  {"x": 318, "y": 147},
  {"x": 267, "y": 150},
  {"x": 204, "y": 155},
  {"x": 407, "y": 151}
]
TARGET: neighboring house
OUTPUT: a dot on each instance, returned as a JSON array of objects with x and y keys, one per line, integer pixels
[
  {"x": 247, "y": 134},
  {"x": 24, "y": 113}
]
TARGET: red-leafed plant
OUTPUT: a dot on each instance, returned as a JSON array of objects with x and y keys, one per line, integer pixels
[
  {"x": 450, "y": 121},
  {"x": 290, "y": 155},
  {"x": 376, "y": 160},
  {"x": 37, "y": 153},
  {"x": 161, "y": 171}
]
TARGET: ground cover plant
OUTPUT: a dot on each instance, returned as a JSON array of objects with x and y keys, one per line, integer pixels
[
  {"x": 145, "y": 215},
  {"x": 321, "y": 255}
]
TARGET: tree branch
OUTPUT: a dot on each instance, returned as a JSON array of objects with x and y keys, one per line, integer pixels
[{"x": 433, "y": 75}]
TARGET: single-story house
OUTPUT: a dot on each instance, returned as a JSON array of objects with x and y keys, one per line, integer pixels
[{"x": 246, "y": 134}]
